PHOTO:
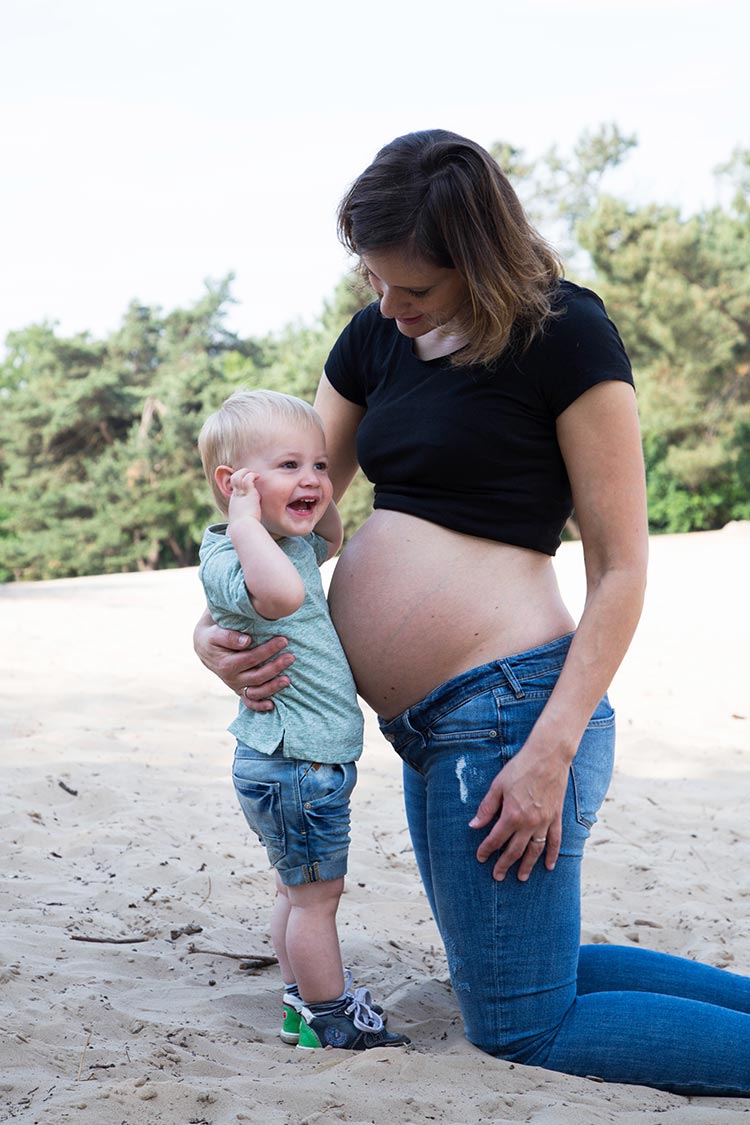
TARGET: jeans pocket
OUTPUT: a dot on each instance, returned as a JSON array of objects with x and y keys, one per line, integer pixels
[
  {"x": 473, "y": 720},
  {"x": 260, "y": 802},
  {"x": 591, "y": 770},
  {"x": 325, "y": 794},
  {"x": 329, "y": 783}
]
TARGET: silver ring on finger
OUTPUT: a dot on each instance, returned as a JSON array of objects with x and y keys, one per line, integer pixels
[
  {"x": 244, "y": 691},
  {"x": 539, "y": 839}
]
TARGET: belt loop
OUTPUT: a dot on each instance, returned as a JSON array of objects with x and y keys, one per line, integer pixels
[
  {"x": 417, "y": 733},
  {"x": 512, "y": 679},
  {"x": 401, "y": 725}
]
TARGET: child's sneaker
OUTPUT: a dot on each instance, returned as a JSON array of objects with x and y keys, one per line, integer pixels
[
  {"x": 292, "y": 1011},
  {"x": 355, "y": 1027},
  {"x": 291, "y": 1016}
]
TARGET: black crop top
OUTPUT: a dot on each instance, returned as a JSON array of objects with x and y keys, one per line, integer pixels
[{"x": 475, "y": 448}]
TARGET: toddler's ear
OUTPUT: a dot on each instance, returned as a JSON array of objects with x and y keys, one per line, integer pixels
[{"x": 222, "y": 476}]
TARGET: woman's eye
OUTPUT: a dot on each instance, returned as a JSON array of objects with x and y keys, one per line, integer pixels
[{"x": 417, "y": 292}]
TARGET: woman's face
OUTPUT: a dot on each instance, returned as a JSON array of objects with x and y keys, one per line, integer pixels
[{"x": 416, "y": 294}]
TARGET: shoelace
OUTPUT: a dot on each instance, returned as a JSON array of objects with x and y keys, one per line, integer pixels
[
  {"x": 348, "y": 982},
  {"x": 359, "y": 1008}
]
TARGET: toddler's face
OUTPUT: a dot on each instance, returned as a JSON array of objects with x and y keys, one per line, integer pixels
[{"x": 293, "y": 482}]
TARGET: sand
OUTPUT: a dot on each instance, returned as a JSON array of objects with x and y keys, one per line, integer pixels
[{"x": 119, "y": 822}]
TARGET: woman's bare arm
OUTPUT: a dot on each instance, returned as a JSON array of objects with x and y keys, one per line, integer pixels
[
  {"x": 600, "y": 442},
  {"x": 254, "y": 673},
  {"x": 329, "y": 527},
  {"x": 340, "y": 421}
]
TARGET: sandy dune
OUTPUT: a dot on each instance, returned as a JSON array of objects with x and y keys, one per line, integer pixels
[{"x": 119, "y": 822}]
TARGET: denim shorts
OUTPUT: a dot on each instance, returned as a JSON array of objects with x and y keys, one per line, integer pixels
[{"x": 299, "y": 811}]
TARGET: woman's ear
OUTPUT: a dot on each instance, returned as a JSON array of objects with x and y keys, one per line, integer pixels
[{"x": 222, "y": 476}]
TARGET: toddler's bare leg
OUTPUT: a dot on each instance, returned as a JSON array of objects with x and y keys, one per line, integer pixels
[
  {"x": 279, "y": 923},
  {"x": 312, "y": 942}
]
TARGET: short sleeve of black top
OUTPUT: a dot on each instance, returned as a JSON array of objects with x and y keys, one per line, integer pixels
[{"x": 475, "y": 449}]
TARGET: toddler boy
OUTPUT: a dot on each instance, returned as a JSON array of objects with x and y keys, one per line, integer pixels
[{"x": 264, "y": 454}]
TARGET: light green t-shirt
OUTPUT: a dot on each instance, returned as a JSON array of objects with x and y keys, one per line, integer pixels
[{"x": 317, "y": 715}]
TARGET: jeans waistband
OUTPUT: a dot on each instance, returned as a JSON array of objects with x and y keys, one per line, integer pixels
[{"x": 510, "y": 671}]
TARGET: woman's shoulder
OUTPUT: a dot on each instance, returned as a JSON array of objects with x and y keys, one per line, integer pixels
[
  {"x": 578, "y": 347},
  {"x": 571, "y": 301},
  {"x": 578, "y": 322}
]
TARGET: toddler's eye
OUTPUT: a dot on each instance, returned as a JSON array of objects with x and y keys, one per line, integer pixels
[
  {"x": 289, "y": 465},
  {"x": 322, "y": 466}
]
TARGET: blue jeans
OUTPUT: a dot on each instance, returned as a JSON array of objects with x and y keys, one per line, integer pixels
[
  {"x": 299, "y": 811},
  {"x": 528, "y": 991}
]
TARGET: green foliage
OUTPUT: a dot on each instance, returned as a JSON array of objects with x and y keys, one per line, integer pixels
[
  {"x": 99, "y": 470},
  {"x": 679, "y": 290},
  {"x": 558, "y": 191}
]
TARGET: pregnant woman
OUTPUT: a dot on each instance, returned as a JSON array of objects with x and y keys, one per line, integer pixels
[{"x": 487, "y": 398}]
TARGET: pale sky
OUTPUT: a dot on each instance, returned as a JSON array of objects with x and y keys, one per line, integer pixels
[{"x": 151, "y": 144}]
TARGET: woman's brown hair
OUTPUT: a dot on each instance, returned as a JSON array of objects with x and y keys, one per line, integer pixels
[{"x": 443, "y": 198}]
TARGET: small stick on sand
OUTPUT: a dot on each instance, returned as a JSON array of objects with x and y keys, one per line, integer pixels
[
  {"x": 108, "y": 940},
  {"x": 83, "y": 1053},
  {"x": 256, "y": 960}
]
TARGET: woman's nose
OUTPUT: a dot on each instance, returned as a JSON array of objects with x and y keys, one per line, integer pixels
[{"x": 391, "y": 304}]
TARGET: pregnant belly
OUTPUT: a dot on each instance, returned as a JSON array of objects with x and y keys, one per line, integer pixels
[{"x": 415, "y": 604}]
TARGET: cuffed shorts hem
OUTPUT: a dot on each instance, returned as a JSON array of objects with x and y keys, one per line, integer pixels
[{"x": 321, "y": 871}]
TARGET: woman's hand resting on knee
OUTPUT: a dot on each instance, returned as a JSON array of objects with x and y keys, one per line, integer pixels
[{"x": 253, "y": 673}]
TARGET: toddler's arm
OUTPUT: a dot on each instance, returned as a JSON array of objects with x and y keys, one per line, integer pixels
[{"x": 273, "y": 583}]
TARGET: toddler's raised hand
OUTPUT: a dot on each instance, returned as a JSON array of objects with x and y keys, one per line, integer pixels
[{"x": 244, "y": 502}]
